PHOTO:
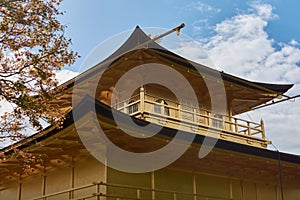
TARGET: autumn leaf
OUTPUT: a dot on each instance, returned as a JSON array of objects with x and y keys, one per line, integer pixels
[{"x": 33, "y": 46}]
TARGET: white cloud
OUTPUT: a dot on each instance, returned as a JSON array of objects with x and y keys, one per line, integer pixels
[
  {"x": 201, "y": 26},
  {"x": 65, "y": 75},
  {"x": 265, "y": 11},
  {"x": 202, "y": 7},
  {"x": 242, "y": 47},
  {"x": 240, "y": 43},
  {"x": 294, "y": 43},
  {"x": 192, "y": 50},
  {"x": 5, "y": 107}
]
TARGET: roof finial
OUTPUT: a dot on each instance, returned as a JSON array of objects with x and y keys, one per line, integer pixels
[{"x": 177, "y": 29}]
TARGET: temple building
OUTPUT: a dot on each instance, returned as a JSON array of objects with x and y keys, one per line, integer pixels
[{"x": 238, "y": 166}]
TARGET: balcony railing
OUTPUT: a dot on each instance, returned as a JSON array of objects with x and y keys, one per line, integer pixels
[
  {"x": 122, "y": 192},
  {"x": 171, "y": 114}
]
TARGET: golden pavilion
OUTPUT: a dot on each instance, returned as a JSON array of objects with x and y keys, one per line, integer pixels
[{"x": 239, "y": 166}]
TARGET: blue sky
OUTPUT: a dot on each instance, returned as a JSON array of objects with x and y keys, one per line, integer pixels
[
  {"x": 256, "y": 40},
  {"x": 92, "y": 21}
]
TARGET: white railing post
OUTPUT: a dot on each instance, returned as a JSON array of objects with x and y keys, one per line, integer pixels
[
  {"x": 125, "y": 110},
  {"x": 142, "y": 99},
  {"x": 248, "y": 128},
  {"x": 209, "y": 120},
  {"x": 230, "y": 119},
  {"x": 236, "y": 127},
  {"x": 179, "y": 111}
]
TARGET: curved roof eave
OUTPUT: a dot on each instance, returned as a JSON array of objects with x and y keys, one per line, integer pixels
[{"x": 280, "y": 88}]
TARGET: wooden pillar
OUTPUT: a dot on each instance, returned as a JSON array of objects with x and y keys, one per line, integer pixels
[
  {"x": 71, "y": 194},
  {"x": 236, "y": 126},
  {"x": 209, "y": 121},
  {"x": 230, "y": 189},
  {"x": 44, "y": 181},
  {"x": 242, "y": 190},
  {"x": 263, "y": 136},
  {"x": 19, "y": 188},
  {"x": 230, "y": 119},
  {"x": 152, "y": 186},
  {"x": 194, "y": 187},
  {"x": 276, "y": 192},
  {"x": 256, "y": 191},
  {"x": 248, "y": 128},
  {"x": 174, "y": 196}
]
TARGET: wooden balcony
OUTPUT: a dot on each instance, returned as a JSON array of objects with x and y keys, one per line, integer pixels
[{"x": 199, "y": 121}]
